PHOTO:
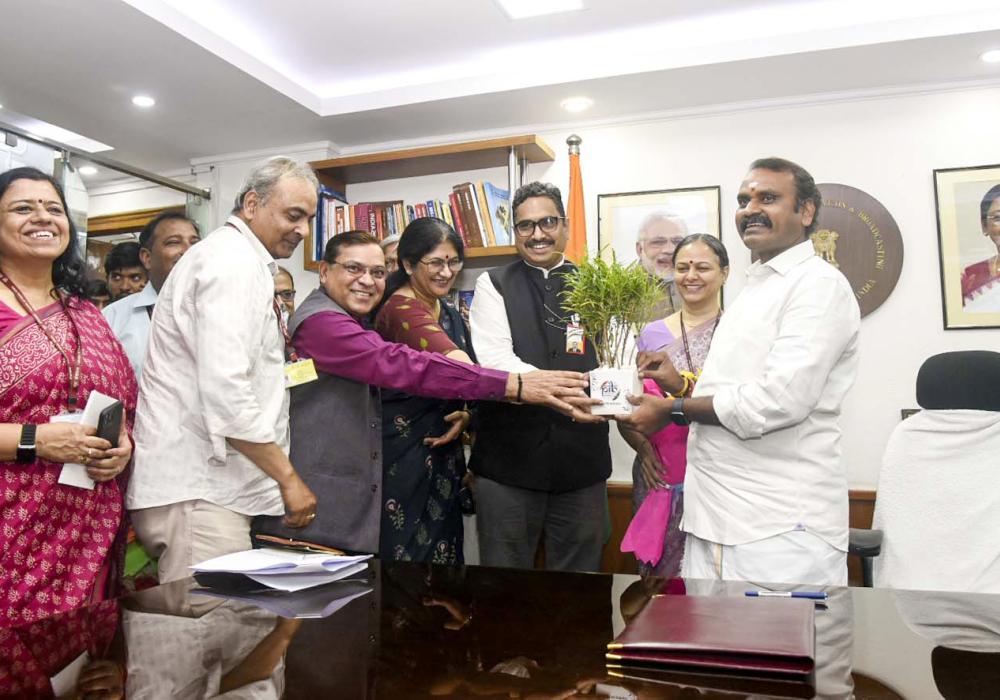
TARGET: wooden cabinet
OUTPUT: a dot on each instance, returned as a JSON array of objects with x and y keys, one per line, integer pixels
[{"x": 513, "y": 151}]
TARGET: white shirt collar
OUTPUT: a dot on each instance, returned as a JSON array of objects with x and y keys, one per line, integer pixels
[
  {"x": 258, "y": 247},
  {"x": 545, "y": 271},
  {"x": 785, "y": 261},
  {"x": 147, "y": 297}
]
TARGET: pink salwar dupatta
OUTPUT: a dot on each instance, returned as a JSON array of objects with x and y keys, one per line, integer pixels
[{"x": 60, "y": 546}]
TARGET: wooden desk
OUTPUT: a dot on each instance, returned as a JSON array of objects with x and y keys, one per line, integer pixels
[{"x": 425, "y": 630}]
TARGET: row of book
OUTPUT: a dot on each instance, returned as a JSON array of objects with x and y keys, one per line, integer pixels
[{"x": 479, "y": 212}]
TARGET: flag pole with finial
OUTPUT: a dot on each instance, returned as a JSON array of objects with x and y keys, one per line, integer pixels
[{"x": 576, "y": 248}]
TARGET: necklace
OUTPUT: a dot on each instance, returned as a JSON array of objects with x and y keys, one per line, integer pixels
[{"x": 687, "y": 348}]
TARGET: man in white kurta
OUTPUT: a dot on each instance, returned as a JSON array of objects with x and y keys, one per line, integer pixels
[
  {"x": 765, "y": 495},
  {"x": 211, "y": 427}
]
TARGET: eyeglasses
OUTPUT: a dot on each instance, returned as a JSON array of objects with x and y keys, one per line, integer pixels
[
  {"x": 993, "y": 218},
  {"x": 662, "y": 243},
  {"x": 285, "y": 295},
  {"x": 436, "y": 265},
  {"x": 548, "y": 224},
  {"x": 358, "y": 270}
]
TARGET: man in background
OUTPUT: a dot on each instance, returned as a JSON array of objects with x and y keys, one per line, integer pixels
[
  {"x": 284, "y": 291},
  {"x": 124, "y": 269},
  {"x": 211, "y": 429},
  {"x": 536, "y": 470},
  {"x": 658, "y": 236},
  {"x": 161, "y": 244},
  {"x": 389, "y": 245},
  {"x": 765, "y": 494}
]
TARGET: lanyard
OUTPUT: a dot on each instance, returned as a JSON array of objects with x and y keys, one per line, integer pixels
[
  {"x": 73, "y": 395},
  {"x": 687, "y": 349},
  {"x": 282, "y": 327}
]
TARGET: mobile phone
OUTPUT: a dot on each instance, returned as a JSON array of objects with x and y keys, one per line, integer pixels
[{"x": 109, "y": 424}]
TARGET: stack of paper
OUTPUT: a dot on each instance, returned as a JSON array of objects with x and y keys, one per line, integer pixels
[{"x": 286, "y": 570}]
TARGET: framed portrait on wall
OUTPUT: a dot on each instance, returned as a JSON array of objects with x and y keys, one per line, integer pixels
[
  {"x": 647, "y": 226},
  {"x": 968, "y": 217}
]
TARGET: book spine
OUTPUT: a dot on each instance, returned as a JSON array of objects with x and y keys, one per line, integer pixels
[
  {"x": 373, "y": 221},
  {"x": 457, "y": 218},
  {"x": 446, "y": 213},
  {"x": 484, "y": 214},
  {"x": 469, "y": 213},
  {"x": 410, "y": 214},
  {"x": 340, "y": 220}
]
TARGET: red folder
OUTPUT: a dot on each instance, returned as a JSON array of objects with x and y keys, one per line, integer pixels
[{"x": 773, "y": 636}]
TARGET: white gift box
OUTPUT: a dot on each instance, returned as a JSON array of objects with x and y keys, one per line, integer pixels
[{"x": 612, "y": 385}]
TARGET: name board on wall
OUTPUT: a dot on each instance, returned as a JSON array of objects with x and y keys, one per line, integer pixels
[{"x": 858, "y": 236}]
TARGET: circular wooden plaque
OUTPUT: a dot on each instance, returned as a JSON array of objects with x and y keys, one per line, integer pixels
[{"x": 857, "y": 235}]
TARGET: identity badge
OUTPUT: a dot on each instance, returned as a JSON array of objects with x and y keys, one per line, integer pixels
[
  {"x": 575, "y": 342},
  {"x": 301, "y": 372}
]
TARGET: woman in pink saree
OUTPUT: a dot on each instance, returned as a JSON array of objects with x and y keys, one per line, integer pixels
[
  {"x": 60, "y": 545},
  {"x": 701, "y": 265}
]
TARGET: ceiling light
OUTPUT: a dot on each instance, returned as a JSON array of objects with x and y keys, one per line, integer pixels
[
  {"x": 991, "y": 56},
  {"x": 87, "y": 170},
  {"x": 576, "y": 104},
  {"x": 143, "y": 101},
  {"x": 520, "y": 9}
]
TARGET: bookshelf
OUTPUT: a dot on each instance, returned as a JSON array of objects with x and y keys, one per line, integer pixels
[{"x": 513, "y": 151}]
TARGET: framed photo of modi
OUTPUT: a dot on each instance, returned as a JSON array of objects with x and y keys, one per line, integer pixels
[
  {"x": 650, "y": 224},
  {"x": 968, "y": 217}
]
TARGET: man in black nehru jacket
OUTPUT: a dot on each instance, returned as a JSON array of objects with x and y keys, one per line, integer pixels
[{"x": 536, "y": 470}]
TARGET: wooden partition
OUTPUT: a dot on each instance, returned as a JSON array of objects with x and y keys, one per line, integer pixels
[{"x": 862, "y": 507}]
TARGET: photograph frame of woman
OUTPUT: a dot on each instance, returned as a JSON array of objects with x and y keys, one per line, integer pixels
[
  {"x": 423, "y": 460},
  {"x": 981, "y": 280},
  {"x": 701, "y": 267},
  {"x": 63, "y": 545}
]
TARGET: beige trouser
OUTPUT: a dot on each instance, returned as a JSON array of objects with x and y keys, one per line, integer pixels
[{"x": 188, "y": 533}]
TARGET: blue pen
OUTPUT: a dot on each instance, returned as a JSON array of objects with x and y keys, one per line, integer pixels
[{"x": 811, "y": 595}]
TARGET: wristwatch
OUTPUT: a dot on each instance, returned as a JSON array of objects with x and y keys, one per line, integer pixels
[
  {"x": 26, "y": 445},
  {"x": 677, "y": 416}
]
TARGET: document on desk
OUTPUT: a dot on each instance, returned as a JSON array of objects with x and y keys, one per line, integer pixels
[
  {"x": 286, "y": 570},
  {"x": 738, "y": 635}
]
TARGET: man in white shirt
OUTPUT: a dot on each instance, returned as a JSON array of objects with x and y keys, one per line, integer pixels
[
  {"x": 211, "y": 428},
  {"x": 161, "y": 244},
  {"x": 765, "y": 495}
]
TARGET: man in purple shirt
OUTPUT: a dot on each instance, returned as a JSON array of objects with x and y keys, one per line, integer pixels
[{"x": 335, "y": 421}]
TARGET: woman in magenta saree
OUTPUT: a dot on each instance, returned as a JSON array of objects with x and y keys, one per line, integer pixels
[
  {"x": 61, "y": 544},
  {"x": 701, "y": 265}
]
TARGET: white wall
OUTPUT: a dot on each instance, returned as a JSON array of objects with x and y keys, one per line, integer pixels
[{"x": 887, "y": 147}]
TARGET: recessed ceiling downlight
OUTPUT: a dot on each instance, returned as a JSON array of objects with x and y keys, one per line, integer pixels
[
  {"x": 577, "y": 104},
  {"x": 991, "y": 56},
  {"x": 144, "y": 101}
]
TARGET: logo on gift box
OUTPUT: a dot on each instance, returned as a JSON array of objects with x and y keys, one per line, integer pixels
[{"x": 609, "y": 390}]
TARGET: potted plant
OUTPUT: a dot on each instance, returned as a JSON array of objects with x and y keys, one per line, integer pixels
[{"x": 613, "y": 303}]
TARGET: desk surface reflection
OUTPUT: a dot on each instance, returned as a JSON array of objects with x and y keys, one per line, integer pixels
[{"x": 415, "y": 630}]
